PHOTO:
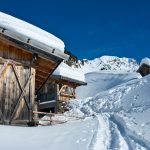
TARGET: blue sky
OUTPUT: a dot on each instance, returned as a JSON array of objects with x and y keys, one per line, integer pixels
[{"x": 90, "y": 28}]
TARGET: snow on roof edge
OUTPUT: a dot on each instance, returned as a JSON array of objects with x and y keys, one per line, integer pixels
[
  {"x": 68, "y": 72},
  {"x": 145, "y": 61},
  {"x": 32, "y": 32}
]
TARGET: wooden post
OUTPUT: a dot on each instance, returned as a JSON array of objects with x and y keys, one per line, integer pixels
[
  {"x": 50, "y": 117},
  {"x": 33, "y": 105},
  {"x": 57, "y": 97}
]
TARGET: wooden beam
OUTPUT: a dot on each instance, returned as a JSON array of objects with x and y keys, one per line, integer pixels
[
  {"x": 67, "y": 95},
  {"x": 43, "y": 69},
  {"x": 41, "y": 73},
  {"x": 43, "y": 113},
  {"x": 39, "y": 78},
  {"x": 45, "y": 61}
]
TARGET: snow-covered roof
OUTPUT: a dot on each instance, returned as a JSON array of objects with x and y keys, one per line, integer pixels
[
  {"x": 65, "y": 71},
  {"x": 145, "y": 61},
  {"x": 24, "y": 31}
]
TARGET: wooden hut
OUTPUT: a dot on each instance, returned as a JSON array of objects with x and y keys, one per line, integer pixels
[
  {"x": 60, "y": 88},
  {"x": 28, "y": 57},
  {"x": 144, "y": 68}
]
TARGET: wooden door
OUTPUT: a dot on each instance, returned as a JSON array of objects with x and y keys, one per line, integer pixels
[{"x": 17, "y": 90}]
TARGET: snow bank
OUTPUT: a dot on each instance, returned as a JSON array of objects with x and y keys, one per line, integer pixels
[
  {"x": 130, "y": 96},
  {"x": 145, "y": 61},
  {"x": 102, "y": 81},
  {"x": 123, "y": 115},
  {"x": 30, "y": 31},
  {"x": 66, "y": 71}
]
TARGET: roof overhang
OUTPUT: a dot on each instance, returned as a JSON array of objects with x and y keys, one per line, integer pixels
[{"x": 33, "y": 45}]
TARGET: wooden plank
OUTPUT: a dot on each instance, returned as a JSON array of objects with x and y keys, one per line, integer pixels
[
  {"x": 45, "y": 61},
  {"x": 41, "y": 73},
  {"x": 43, "y": 69},
  {"x": 10, "y": 51},
  {"x": 3, "y": 68},
  {"x": 43, "y": 113},
  {"x": 32, "y": 93},
  {"x": 40, "y": 76},
  {"x": 67, "y": 95}
]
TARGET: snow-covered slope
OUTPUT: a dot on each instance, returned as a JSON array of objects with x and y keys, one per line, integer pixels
[
  {"x": 120, "y": 99},
  {"x": 104, "y": 73},
  {"x": 123, "y": 114},
  {"x": 102, "y": 81},
  {"x": 107, "y": 63},
  {"x": 130, "y": 96}
]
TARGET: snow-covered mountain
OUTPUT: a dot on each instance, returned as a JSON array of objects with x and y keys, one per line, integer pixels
[
  {"x": 107, "y": 63},
  {"x": 104, "y": 73}
]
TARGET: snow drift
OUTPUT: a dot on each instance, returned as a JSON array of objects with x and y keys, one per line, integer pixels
[
  {"x": 130, "y": 96},
  {"x": 102, "y": 81}
]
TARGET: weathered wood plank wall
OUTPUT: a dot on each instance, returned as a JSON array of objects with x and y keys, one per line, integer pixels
[{"x": 17, "y": 84}]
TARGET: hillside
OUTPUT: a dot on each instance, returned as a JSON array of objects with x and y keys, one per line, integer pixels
[
  {"x": 104, "y": 73},
  {"x": 119, "y": 98}
]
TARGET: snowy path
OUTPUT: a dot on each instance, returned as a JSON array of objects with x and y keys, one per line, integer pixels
[
  {"x": 103, "y": 134},
  {"x": 113, "y": 134}
]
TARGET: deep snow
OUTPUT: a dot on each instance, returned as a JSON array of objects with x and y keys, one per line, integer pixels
[
  {"x": 103, "y": 80},
  {"x": 121, "y": 101},
  {"x": 123, "y": 113},
  {"x": 116, "y": 108},
  {"x": 76, "y": 135}
]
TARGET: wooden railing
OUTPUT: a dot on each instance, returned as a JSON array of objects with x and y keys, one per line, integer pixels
[
  {"x": 53, "y": 120},
  {"x": 50, "y": 120}
]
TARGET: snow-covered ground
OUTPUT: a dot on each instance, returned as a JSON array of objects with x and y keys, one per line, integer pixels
[
  {"x": 123, "y": 113},
  {"x": 116, "y": 108},
  {"x": 121, "y": 102},
  {"x": 77, "y": 135},
  {"x": 104, "y": 80}
]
